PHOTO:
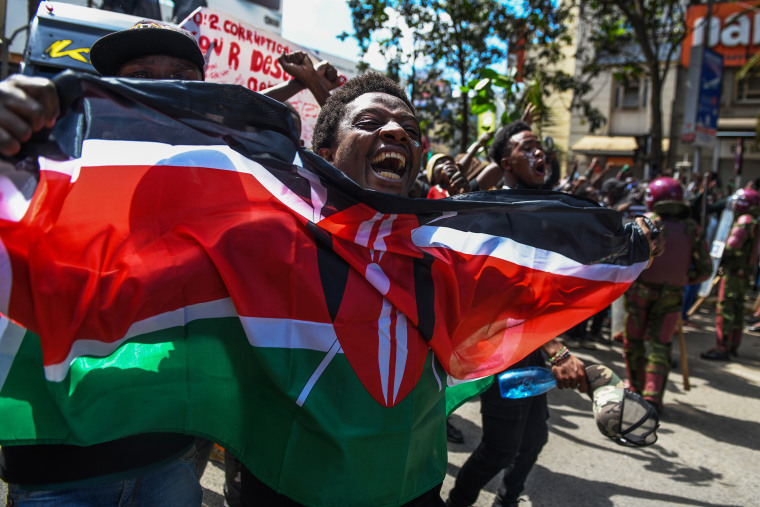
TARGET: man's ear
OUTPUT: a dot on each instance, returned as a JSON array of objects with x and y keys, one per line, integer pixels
[
  {"x": 504, "y": 164},
  {"x": 326, "y": 153}
]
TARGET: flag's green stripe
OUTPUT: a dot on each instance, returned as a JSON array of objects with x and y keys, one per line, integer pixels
[
  {"x": 193, "y": 384},
  {"x": 459, "y": 394}
]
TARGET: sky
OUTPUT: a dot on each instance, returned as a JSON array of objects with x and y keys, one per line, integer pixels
[{"x": 317, "y": 23}]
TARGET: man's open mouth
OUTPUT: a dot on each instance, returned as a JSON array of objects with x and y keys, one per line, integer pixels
[{"x": 390, "y": 165}]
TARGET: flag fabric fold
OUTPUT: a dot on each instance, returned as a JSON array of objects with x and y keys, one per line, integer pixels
[{"x": 184, "y": 265}]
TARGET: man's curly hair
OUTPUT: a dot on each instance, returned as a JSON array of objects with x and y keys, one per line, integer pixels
[
  {"x": 334, "y": 109},
  {"x": 500, "y": 145}
]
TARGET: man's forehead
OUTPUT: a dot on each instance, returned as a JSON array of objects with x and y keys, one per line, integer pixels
[
  {"x": 524, "y": 135},
  {"x": 379, "y": 101}
]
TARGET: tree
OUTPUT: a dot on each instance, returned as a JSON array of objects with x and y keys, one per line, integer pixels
[
  {"x": 454, "y": 41},
  {"x": 635, "y": 38}
]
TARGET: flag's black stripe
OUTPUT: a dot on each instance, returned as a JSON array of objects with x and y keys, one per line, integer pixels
[
  {"x": 582, "y": 237},
  {"x": 199, "y": 113},
  {"x": 173, "y": 112},
  {"x": 333, "y": 271},
  {"x": 424, "y": 292}
]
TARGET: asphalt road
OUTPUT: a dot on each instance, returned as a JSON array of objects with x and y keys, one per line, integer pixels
[{"x": 708, "y": 452}]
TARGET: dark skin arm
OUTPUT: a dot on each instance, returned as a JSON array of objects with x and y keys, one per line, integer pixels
[
  {"x": 27, "y": 105},
  {"x": 319, "y": 80},
  {"x": 531, "y": 114},
  {"x": 490, "y": 176},
  {"x": 482, "y": 142}
]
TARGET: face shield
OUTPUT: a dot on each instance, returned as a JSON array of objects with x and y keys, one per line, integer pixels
[{"x": 620, "y": 414}]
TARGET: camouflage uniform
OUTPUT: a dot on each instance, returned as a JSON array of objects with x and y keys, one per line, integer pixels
[
  {"x": 654, "y": 301},
  {"x": 737, "y": 262}
]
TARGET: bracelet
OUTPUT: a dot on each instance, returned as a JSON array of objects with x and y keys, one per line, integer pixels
[{"x": 559, "y": 356}]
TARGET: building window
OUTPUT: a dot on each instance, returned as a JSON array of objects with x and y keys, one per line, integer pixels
[
  {"x": 748, "y": 89},
  {"x": 631, "y": 95}
]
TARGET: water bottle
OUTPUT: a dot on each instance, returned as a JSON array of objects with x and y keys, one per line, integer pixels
[{"x": 524, "y": 382}]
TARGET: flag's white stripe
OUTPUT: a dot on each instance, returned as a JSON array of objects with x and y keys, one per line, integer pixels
[
  {"x": 385, "y": 230},
  {"x": 365, "y": 230},
  {"x": 384, "y": 346},
  {"x": 70, "y": 167},
  {"x": 11, "y": 336},
  {"x": 297, "y": 160},
  {"x": 6, "y": 279},
  {"x": 98, "y": 152},
  {"x": 180, "y": 317},
  {"x": 13, "y": 204},
  {"x": 289, "y": 334},
  {"x": 402, "y": 352},
  {"x": 261, "y": 332},
  {"x": 435, "y": 373},
  {"x": 509, "y": 250},
  {"x": 334, "y": 350}
]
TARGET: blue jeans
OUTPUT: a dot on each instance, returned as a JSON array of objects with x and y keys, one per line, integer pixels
[{"x": 175, "y": 484}]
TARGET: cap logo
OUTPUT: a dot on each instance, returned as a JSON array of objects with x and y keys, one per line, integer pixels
[
  {"x": 152, "y": 25},
  {"x": 58, "y": 50}
]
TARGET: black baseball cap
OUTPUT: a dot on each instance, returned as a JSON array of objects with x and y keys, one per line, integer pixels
[{"x": 146, "y": 37}]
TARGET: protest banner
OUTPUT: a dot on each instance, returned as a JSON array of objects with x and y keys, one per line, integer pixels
[{"x": 240, "y": 53}]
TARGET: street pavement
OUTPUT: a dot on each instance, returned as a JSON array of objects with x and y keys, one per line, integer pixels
[{"x": 708, "y": 452}]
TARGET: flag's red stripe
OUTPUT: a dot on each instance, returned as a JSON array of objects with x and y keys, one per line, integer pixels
[
  {"x": 488, "y": 298},
  {"x": 176, "y": 236}
]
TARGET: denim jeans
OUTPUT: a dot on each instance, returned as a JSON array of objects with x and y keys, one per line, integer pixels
[{"x": 175, "y": 484}]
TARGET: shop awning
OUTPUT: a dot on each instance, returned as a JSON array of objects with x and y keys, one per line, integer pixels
[
  {"x": 737, "y": 123},
  {"x": 610, "y": 145}
]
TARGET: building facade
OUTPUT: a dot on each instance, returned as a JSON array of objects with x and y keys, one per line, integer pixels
[{"x": 735, "y": 34}]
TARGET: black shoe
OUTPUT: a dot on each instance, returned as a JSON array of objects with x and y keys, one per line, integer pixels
[
  {"x": 498, "y": 502},
  {"x": 453, "y": 434},
  {"x": 734, "y": 351},
  {"x": 715, "y": 355}
]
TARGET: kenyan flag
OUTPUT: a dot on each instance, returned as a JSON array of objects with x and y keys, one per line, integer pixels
[{"x": 185, "y": 266}]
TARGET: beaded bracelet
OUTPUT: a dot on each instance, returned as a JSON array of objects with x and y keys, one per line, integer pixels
[{"x": 559, "y": 356}]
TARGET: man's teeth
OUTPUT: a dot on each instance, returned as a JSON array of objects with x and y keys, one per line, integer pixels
[
  {"x": 389, "y": 175},
  {"x": 385, "y": 155}
]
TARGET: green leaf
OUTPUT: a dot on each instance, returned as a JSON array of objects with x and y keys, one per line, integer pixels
[{"x": 482, "y": 108}]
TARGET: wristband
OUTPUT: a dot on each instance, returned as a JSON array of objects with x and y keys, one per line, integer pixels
[{"x": 559, "y": 356}]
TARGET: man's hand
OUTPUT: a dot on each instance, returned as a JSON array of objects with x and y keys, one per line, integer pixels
[
  {"x": 330, "y": 77},
  {"x": 299, "y": 66},
  {"x": 27, "y": 105},
  {"x": 657, "y": 244},
  {"x": 454, "y": 181},
  {"x": 531, "y": 114},
  {"x": 571, "y": 373}
]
